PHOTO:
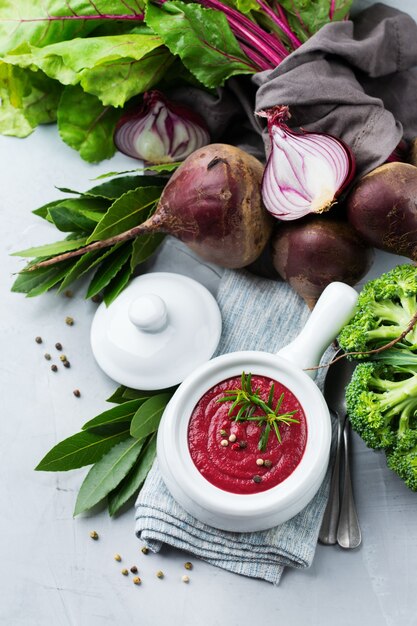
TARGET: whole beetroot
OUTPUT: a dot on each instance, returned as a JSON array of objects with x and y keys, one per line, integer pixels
[
  {"x": 315, "y": 251},
  {"x": 382, "y": 208},
  {"x": 212, "y": 203}
]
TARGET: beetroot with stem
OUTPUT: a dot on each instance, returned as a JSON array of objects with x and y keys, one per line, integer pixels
[
  {"x": 382, "y": 207},
  {"x": 315, "y": 251},
  {"x": 212, "y": 203}
]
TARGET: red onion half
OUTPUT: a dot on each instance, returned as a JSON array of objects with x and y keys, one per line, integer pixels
[
  {"x": 305, "y": 171},
  {"x": 161, "y": 131}
]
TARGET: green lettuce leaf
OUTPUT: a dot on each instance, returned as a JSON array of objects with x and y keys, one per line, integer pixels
[
  {"x": 107, "y": 67},
  {"x": 43, "y": 23},
  {"x": 26, "y": 99},
  {"x": 201, "y": 38},
  {"x": 115, "y": 83},
  {"x": 86, "y": 125}
]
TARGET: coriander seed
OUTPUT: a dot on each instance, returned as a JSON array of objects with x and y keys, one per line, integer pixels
[
  {"x": 69, "y": 321},
  {"x": 77, "y": 393},
  {"x": 134, "y": 569},
  {"x": 68, "y": 293},
  {"x": 232, "y": 438},
  {"x": 188, "y": 565},
  {"x": 47, "y": 356},
  {"x": 159, "y": 574},
  {"x": 137, "y": 580},
  {"x": 243, "y": 444},
  {"x": 94, "y": 535},
  {"x": 63, "y": 358},
  {"x": 124, "y": 572},
  {"x": 54, "y": 368},
  {"x": 58, "y": 346},
  {"x": 97, "y": 299},
  {"x": 66, "y": 364},
  {"x": 38, "y": 339},
  {"x": 257, "y": 478},
  {"x": 185, "y": 579},
  {"x": 268, "y": 463},
  {"x": 117, "y": 557},
  {"x": 145, "y": 550}
]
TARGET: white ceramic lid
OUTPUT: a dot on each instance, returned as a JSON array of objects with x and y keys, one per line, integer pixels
[{"x": 156, "y": 332}]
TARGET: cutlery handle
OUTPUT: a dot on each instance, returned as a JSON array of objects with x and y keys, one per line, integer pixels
[
  {"x": 348, "y": 530},
  {"x": 333, "y": 310},
  {"x": 328, "y": 530}
]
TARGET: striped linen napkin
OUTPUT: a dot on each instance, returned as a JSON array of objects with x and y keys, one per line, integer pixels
[{"x": 258, "y": 314}]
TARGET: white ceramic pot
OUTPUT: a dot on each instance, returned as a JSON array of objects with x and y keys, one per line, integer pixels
[{"x": 251, "y": 512}]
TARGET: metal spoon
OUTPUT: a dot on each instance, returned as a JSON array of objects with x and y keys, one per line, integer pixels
[{"x": 344, "y": 528}]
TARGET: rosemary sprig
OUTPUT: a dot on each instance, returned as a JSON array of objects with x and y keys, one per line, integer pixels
[{"x": 247, "y": 401}]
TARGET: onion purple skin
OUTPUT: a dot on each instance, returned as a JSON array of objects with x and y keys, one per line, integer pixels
[
  {"x": 213, "y": 204},
  {"x": 312, "y": 252},
  {"x": 382, "y": 208}
]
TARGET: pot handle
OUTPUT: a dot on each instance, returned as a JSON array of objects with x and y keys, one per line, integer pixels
[{"x": 333, "y": 310}]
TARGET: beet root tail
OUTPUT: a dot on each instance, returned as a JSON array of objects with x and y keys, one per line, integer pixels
[{"x": 146, "y": 227}]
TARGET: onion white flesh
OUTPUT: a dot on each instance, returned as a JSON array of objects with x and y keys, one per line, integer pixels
[
  {"x": 161, "y": 131},
  {"x": 305, "y": 171}
]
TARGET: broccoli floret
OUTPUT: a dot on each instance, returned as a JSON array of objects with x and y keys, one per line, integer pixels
[
  {"x": 384, "y": 310},
  {"x": 403, "y": 459},
  {"x": 382, "y": 403}
]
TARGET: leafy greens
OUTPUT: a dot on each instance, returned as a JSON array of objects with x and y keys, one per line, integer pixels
[
  {"x": 119, "y": 444},
  {"x": 105, "y": 209},
  {"x": 107, "y": 52}
]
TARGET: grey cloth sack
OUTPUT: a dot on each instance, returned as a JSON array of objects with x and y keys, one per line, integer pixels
[
  {"x": 258, "y": 314},
  {"x": 354, "y": 80}
]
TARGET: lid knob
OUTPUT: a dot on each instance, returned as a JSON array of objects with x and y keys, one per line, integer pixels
[{"x": 148, "y": 313}]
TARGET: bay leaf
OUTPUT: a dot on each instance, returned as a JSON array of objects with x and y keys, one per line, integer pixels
[
  {"x": 113, "y": 189},
  {"x": 84, "y": 448},
  {"x": 131, "y": 484},
  {"x": 37, "y": 281},
  {"x": 109, "y": 268},
  {"x": 144, "y": 246},
  {"x": 147, "y": 417},
  {"x": 51, "y": 249},
  {"x": 117, "y": 395},
  {"x": 107, "y": 473},
  {"x": 118, "y": 283},
  {"x": 122, "y": 413},
  {"x": 84, "y": 264},
  {"x": 131, "y": 209}
]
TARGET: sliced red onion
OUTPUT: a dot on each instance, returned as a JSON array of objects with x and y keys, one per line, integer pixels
[
  {"x": 161, "y": 131},
  {"x": 305, "y": 171}
]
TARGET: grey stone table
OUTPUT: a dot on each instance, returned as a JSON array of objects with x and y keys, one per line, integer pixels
[{"x": 51, "y": 572}]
